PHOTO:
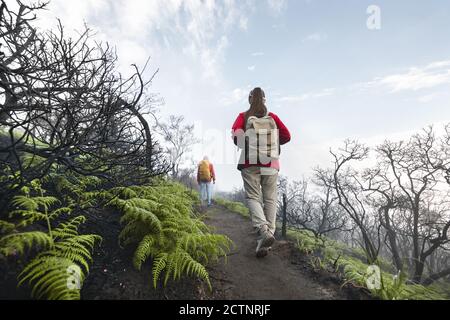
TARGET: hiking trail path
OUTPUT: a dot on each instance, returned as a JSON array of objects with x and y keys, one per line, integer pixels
[{"x": 284, "y": 274}]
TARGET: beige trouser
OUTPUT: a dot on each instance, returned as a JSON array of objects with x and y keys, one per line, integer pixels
[{"x": 260, "y": 186}]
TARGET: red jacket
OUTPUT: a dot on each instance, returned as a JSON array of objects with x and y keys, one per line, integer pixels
[{"x": 284, "y": 134}]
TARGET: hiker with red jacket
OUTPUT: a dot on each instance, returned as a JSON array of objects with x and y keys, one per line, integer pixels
[
  {"x": 205, "y": 177},
  {"x": 260, "y": 134}
]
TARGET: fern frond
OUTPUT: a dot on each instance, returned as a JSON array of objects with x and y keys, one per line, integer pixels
[
  {"x": 34, "y": 203},
  {"x": 27, "y": 217},
  {"x": 17, "y": 243},
  {"x": 48, "y": 276},
  {"x": 69, "y": 229},
  {"x": 158, "y": 266},
  {"x": 60, "y": 211},
  {"x": 181, "y": 262},
  {"x": 132, "y": 233},
  {"x": 49, "y": 273},
  {"x": 6, "y": 227},
  {"x": 143, "y": 251},
  {"x": 124, "y": 192},
  {"x": 25, "y": 202},
  {"x": 77, "y": 249},
  {"x": 143, "y": 215}
]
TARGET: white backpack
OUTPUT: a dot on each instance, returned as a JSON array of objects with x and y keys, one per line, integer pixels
[{"x": 263, "y": 140}]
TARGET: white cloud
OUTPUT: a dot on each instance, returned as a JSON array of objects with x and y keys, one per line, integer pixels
[
  {"x": 438, "y": 64},
  {"x": 277, "y": 6},
  {"x": 416, "y": 78},
  {"x": 306, "y": 96},
  {"x": 428, "y": 98},
  {"x": 196, "y": 28},
  {"x": 236, "y": 96},
  {"x": 243, "y": 23},
  {"x": 251, "y": 68},
  {"x": 316, "y": 37},
  {"x": 257, "y": 54}
]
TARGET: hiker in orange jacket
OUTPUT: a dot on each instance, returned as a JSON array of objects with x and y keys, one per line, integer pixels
[
  {"x": 205, "y": 177},
  {"x": 260, "y": 134}
]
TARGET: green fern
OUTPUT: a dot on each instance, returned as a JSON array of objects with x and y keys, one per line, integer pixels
[
  {"x": 181, "y": 262},
  {"x": 144, "y": 250},
  {"x": 159, "y": 221},
  {"x": 48, "y": 273},
  {"x": 61, "y": 250},
  {"x": 32, "y": 204},
  {"x": 6, "y": 227},
  {"x": 69, "y": 229},
  {"x": 159, "y": 264},
  {"x": 76, "y": 191},
  {"x": 18, "y": 243},
  {"x": 78, "y": 248}
]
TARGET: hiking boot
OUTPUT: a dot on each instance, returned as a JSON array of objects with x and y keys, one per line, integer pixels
[
  {"x": 264, "y": 243},
  {"x": 262, "y": 252}
]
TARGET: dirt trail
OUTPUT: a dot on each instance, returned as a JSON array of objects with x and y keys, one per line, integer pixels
[{"x": 283, "y": 275}]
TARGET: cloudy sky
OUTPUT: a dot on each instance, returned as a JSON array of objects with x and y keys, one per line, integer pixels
[{"x": 325, "y": 72}]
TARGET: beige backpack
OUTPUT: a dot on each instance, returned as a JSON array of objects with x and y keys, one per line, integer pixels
[{"x": 263, "y": 140}]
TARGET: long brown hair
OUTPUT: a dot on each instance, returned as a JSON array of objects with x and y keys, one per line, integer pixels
[{"x": 257, "y": 105}]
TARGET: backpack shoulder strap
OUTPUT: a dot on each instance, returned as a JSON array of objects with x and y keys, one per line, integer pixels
[{"x": 248, "y": 122}]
